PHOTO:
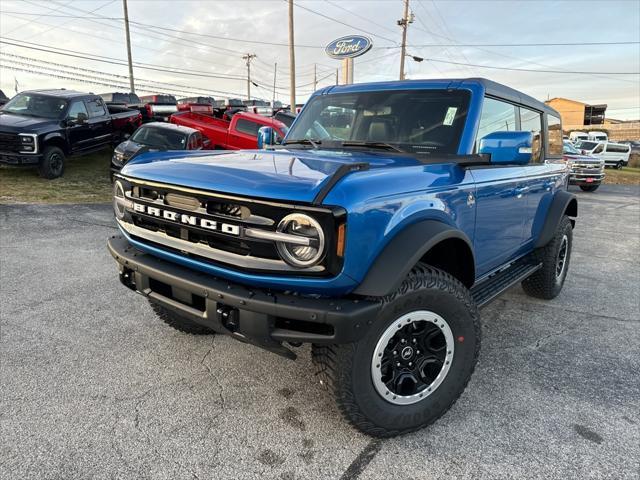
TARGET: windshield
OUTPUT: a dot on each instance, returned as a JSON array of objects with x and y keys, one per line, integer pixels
[
  {"x": 36, "y": 105},
  {"x": 163, "y": 138},
  {"x": 586, "y": 145},
  {"x": 567, "y": 147},
  {"x": 415, "y": 121}
]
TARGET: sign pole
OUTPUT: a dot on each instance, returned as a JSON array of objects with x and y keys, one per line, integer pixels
[{"x": 292, "y": 62}]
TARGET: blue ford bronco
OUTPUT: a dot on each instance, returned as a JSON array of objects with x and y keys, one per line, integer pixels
[{"x": 389, "y": 214}]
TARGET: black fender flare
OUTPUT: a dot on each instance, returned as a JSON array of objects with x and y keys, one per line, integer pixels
[
  {"x": 56, "y": 137},
  {"x": 564, "y": 203},
  {"x": 403, "y": 252}
]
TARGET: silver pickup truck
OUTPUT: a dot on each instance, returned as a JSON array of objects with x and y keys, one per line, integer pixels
[{"x": 586, "y": 171}]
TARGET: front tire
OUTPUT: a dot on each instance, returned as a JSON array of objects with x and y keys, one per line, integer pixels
[
  {"x": 547, "y": 282},
  {"x": 414, "y": 362},
  {"x": 619, "y": 165},
  {"x": 181, "y": 324},
  {"x": 52, "y": 164},
  {"x": 589, "y": 188}
]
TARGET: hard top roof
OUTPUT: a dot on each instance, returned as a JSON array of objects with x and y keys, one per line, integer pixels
[{"x": 492, "y": 88}]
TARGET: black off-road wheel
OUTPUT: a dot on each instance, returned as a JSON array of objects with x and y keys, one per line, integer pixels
[
  {"x": 414, "y": 362},
  {"x": 547, "y": 282},
  {"x": 52, "y": 163},
  {"x": 181, "y": 324},
  {"x": 589, "y": 188}
]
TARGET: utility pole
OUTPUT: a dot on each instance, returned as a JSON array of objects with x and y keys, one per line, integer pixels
[
  {"x": 337, "y": 76},
  {"x": 248, "y": 57},
  {"x": 315, "y": 77},
  {"x": 275, "y": 73},
  {"x": 292, "y": 62},
  {"x": 126, "y": 29},
  {"x": 404, "y": 24}
]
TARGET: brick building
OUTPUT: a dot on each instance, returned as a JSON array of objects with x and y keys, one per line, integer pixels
[{"x": 573, "y": 112}]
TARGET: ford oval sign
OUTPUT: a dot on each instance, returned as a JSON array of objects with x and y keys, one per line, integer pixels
[{"x": 349, "y": 47}]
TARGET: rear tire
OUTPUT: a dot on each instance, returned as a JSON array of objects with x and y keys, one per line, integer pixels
[
  {"x": 589, "y": 188},
  {"x": 413, "y": 363},
  {"x": 619, "y": 165},
  {"x": 179, "y": 323},
  {"x": 52, "y": 163},
  {"x": 547, "y": 282}
]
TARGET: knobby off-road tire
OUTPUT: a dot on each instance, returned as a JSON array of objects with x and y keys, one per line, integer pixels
[
  {"x": 52, "y": 163},
  {"x": 589, "y": 188},
  {"x": 179, "y": 323},
  {"x": 547, "y": 282},
  {"x": 350, "y": 372}
]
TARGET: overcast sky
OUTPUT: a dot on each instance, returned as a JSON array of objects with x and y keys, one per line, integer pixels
[{"x": 47, "y": 24}]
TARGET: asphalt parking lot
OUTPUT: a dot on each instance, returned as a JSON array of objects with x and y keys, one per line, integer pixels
[{"x": 94, "y": 386}]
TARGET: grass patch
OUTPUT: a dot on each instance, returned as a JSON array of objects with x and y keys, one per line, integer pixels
[
  {"x": 85, "y": 180},
  {"x": 625, "y": 176}
]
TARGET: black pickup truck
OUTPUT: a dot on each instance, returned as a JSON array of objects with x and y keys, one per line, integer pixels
[{"x": 43, "y": 127}]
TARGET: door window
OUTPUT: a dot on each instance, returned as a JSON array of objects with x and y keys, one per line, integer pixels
[
  {"x": 599, "y": 149},
  {"x": 75, "y": 109},
  {"x": 496, "y": 116},
  {"x": 556, "y": 143},
  {"x": 247, "y": 127},
  {"x": 531, "y": 121},
  {"x": 96, "y": 108}
]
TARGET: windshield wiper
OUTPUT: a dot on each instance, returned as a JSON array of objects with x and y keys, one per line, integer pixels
[
  {"x": 381, "y": 145},
  {"x": 303, "y": 141}
]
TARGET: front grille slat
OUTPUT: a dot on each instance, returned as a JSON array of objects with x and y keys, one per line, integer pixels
[{"x": 9, "y": 142}]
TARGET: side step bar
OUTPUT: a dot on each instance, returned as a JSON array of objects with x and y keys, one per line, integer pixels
[{"x": 488, "y": 289}]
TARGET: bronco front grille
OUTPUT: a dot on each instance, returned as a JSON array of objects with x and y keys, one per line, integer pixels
[{"x": 219, "y": 229}]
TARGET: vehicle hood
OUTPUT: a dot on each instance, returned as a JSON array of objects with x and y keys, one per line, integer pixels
[
  {"x": 293, "y": 175},
  {"x": 582, "y": 158},
  {"x": 129, "y": 148},
  {"x": 12, "y": 123}
]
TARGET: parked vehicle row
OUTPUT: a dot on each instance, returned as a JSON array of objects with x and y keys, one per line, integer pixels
[
  {"x": 43, "y": 127},
  {"x": 613, "y": 154},
  {"x": 241, "y": 131}
]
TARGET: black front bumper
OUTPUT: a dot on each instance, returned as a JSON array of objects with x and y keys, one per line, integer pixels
[
  {"x": 19, "y": 159},
  {"x": 256, "y": 316}
]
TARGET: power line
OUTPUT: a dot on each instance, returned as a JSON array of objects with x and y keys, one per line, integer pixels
[
  {"x": 154, "y": 67},
  {"x": 567, "y": 44},
  {"x": 137, "y": 64},
  {"x": 124, "y": 78},
  {"x": 343, "y": 23},
  {"x": 531, "y": 69}
]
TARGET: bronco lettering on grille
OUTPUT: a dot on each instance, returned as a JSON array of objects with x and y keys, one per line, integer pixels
[{"x": 187, "y": 219}]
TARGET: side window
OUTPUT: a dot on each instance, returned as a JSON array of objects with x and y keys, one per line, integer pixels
[
  {"x": 96, "y": 108},
  {"x": 248, "y": 127},
  {"x": 496, "y": 116},
  {"x": 599, "y": 149},
  {"x": 555, "y": 136},
  {"x": 76, "y": 108},
  {"x": 531, "y": 121}
]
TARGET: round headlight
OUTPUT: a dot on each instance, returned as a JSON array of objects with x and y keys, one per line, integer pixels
[
  {"x": 309, "y": 250},
  {"x": 118, "y": 199}
]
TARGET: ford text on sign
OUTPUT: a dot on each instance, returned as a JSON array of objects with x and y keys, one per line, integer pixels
[{"x": 349, "y": 47}]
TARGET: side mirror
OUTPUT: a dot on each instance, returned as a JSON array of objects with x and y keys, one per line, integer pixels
[
  {"x": 266, "y": 137},
  {"x": 79, "y": 120},
  {"x": 507, "y": 147}
]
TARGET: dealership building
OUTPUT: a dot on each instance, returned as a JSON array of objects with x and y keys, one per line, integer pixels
[{"x": 584, "y": 117}]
